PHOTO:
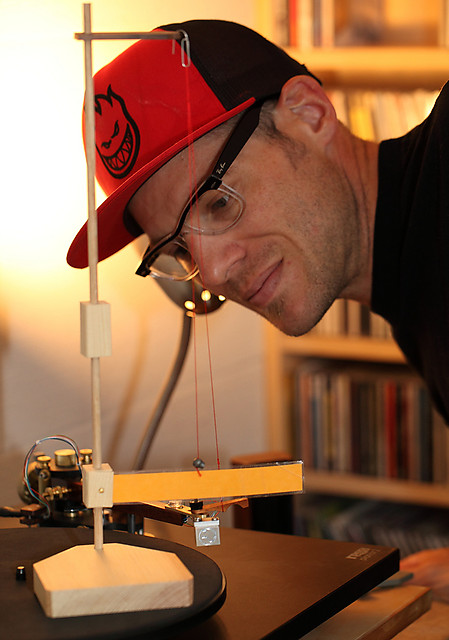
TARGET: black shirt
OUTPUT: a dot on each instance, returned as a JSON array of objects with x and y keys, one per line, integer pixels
[{"x": 411, "y": 247}]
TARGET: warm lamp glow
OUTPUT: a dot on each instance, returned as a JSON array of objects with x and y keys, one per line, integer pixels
[
  {"x": 44, "y": 174},
  {"x": 45, "y": 380}
]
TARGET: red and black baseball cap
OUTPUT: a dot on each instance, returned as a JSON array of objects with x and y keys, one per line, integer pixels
[{"x": 141, "y": 114}]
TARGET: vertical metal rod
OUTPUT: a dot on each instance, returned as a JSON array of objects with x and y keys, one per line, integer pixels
[{"x": 92, "y": 243}]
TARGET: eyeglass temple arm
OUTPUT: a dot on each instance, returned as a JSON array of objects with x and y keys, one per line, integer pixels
[{"x": 246, "y": 126}]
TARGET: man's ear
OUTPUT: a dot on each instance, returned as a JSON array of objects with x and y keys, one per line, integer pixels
[{"x": 304, "y": 103}]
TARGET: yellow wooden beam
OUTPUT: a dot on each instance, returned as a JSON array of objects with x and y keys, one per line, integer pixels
[{"x": 261, "y": 480}]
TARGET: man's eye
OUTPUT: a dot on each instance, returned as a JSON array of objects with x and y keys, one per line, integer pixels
[
  {"x": 218, "y": 208},
  {"x": 218, "y": 205},
  {"x": 214, "y": 211}
]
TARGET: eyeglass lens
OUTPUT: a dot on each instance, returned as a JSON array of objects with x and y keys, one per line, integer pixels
[
  {"x": 215, "y": 211},
  {"x": 176, "y": 262}
]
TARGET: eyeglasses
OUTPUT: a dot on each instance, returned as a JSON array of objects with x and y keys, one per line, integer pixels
[{"x": 213, "y": 209}]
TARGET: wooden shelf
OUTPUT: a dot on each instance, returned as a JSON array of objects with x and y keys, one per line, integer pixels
[
  {"x": 380, "y": 67},
  {"x": 342, "y": 348},
  {"x": 369, "y": 487}
]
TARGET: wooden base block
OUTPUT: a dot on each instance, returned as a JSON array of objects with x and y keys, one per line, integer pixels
[{"x": 85, "y": 581}]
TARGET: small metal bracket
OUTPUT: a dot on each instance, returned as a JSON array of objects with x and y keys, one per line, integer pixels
[
  {"x": 179, "y": 35},
  {"x": 185, "y": 49},
  {"x": 207, "y": 532}
]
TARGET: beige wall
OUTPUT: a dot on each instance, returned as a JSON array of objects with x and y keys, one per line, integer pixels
[{"x": 44, "y": 381}]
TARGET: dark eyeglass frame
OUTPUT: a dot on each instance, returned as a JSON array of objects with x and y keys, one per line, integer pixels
[{"x": 237, "y": 140}]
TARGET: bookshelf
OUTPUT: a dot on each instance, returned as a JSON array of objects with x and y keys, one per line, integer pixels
[
  {"x": 380, "y": 67},
  {"x": 373, "y": 68},
  {"x": 284, "y": 356}
]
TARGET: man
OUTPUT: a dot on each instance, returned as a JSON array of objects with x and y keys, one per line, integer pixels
[{"x": 237, "y": 169}]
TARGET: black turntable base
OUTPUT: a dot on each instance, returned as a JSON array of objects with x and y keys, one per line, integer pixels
[
  {"x": 277, "y": 586},
  {"x": 24, "y": 618}
]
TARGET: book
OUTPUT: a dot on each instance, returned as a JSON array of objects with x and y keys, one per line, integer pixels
[{"x": 370, "y": 420}]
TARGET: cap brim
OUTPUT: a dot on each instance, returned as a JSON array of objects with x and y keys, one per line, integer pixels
[{"x": 112, "y": 233}]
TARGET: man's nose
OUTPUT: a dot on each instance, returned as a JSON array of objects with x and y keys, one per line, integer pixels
[{"x": 218, "y": 258}]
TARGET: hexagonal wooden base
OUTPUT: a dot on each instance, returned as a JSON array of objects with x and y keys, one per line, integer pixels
[{"x": 84, "y": 581}]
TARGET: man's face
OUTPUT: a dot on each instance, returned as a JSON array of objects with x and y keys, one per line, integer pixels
[{"x": 291, "y": 253}]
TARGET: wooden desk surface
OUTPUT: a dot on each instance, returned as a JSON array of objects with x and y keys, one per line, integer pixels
[
  {"x": 433, "y": 625},
  {"x": 380, "y": 615}
]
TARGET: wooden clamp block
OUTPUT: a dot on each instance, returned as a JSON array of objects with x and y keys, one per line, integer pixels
[
  {"x": 95, "y": 329},
  {"x": 97, "y": 486}
]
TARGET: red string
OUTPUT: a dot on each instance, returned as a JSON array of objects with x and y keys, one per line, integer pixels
[
  {"x": 192, "y": 174},
  {"x": 214, "y": 413},
  {"x": 192, "y": 186}
]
